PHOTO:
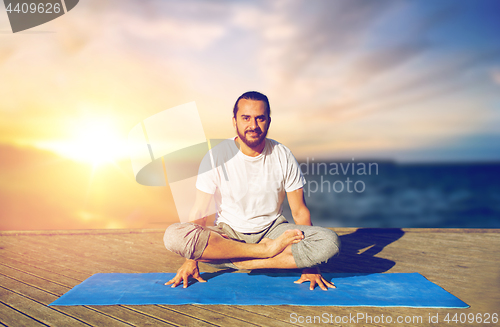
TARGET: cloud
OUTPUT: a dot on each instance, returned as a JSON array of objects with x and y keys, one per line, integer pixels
[
  {"x": 98, "y": 61},
  {"x": 495, "y": 75},
  {"x": 299, "y": 34},
  {"x": 439, "y": 78},
  {"x": 370, "y": 64},
  {"x": 323, "y": 49},
  {"x": 173, "y": 25},
  {"x": 175, "y": 33}
]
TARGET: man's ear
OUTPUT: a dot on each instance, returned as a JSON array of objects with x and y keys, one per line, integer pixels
[{"x": 234, "y": 122}]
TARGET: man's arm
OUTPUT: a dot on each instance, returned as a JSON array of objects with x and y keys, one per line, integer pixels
[
  {"x": 198, "y": 215},
  {"x": 302, "y": 216},
  {"x": 300, "y": 212},
  {"x": 200, "y": 210}
]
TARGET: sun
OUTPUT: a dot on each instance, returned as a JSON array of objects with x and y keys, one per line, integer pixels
[{"x": 95, "y": 141}]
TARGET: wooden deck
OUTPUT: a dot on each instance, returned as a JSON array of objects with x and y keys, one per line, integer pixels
[{"x": 38, "y": 267}]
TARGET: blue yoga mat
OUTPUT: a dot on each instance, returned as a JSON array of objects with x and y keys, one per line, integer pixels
[{"x": 374, "y": 290}]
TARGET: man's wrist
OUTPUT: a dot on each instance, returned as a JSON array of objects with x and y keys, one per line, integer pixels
[
  {"x": 201, "y": 221},
  {"x": 191, "y": 261}
]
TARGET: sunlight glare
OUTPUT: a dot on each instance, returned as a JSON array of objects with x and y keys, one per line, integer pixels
[{"x": 96, "y": 142}]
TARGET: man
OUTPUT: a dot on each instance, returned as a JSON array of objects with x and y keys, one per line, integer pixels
[{"x": 249, "y": 176}]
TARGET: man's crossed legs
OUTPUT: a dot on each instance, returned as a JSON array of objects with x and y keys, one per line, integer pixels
[{"x": 282, "y": 245}]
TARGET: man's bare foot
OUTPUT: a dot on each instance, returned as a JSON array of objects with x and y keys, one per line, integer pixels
[{"x": 277, "y": 246}]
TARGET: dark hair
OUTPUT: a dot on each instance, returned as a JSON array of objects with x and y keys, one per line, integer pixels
[{"x": 256, "y": 96}]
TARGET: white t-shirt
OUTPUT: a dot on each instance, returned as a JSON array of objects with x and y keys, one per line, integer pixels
[{"x": 249, "y": 191}]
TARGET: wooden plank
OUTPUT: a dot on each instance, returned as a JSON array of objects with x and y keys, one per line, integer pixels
[
  {"x": 86, "y": 252},
  {"x": 28, "y": 287},
  {"x": 171, "y": 316},
  {"x": 119, "y": 312},
  {"x": 448, "y": 262},
  {"x": 10, "y": 258},
  {"x": 270, "y": 312},
  {"x": 34, "y": 281},
  {"x": 44, "y": 255},
  {"x": 137, "y": 317},
  {"x": 81, "y": 266},
  {"x": 442, "y": 248},
  {"x": 245, "y": 315},
  {"x": 429, "y": 259},
  {"x": 54, "y": 277},
  {"x": 313, "y": 315},
  {"x": 110, "y": 257},
  {"x": 123, "y": 314},
  {"x": 208, "y": 315},
  {"x": 455, "y": 243},
  {"x": 147, "y": 250},
  {"x": 37, "y": 311},
  {"x": 12, "y": 317}
]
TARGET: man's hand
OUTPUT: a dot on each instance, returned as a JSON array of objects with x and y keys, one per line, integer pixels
[
  {"x": 313, "y": 275},
  {"x": 188, "y": 268}
]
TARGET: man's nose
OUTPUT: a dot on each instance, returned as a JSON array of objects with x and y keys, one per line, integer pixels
[{"x": 253, "y": 123}]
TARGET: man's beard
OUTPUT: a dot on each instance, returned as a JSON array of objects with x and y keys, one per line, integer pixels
[{"x": 252, "y": 143}]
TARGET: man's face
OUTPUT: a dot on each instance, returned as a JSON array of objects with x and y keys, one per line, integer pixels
[{"x": 251, "y": 122}]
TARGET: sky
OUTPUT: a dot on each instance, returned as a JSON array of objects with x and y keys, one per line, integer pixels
[{"x": 408, "y": 81}]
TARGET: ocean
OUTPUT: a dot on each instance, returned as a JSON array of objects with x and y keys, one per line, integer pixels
[{"x": 395, "y": 195}]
